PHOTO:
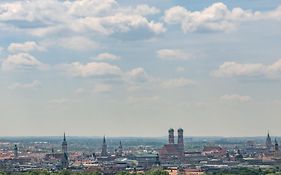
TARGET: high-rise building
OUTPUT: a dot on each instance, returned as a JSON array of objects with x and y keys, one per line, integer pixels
[
  {"x": 64, "y": 161},
  {"x": 171, "y": 136},
  {"x": 104, "y": 148}
]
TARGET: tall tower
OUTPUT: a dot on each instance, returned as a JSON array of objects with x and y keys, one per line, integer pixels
[
  {"x": 120, "y": 150},
  {"x": 64, "y": 144},
  {"x": 64, "y": 160},
  {"x": 276, "y": 147},
  {"x": 268, "y": 142},
  {"x": 104, "y": 147},
  {"x": 180, "y": 140},
  {"x": 171, "y": 136},
  {"x": 16, "y": 154}
]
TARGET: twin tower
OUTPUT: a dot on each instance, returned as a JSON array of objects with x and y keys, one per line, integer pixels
[{"x": 172, "y": 137}]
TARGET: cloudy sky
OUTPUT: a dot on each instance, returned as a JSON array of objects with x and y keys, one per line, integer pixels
[{"x": 137, "y": 68}]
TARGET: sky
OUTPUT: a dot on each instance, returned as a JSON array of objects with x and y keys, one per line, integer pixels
[{"x": 138, "y": 68}]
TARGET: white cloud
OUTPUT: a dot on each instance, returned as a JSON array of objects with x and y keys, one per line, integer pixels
[
  {"x": 172, "y": 54},
  {"x": 177, "y": 83},
  {"x": 216, "y": 17},
  {"x": 235, "y": 98},
  {"x": 105, "y": 17},
  {"x": 118, "y": 22},
  {"x": 33, "y": 85},
  {"x": 107, "y": 56},
  {"x": 144, "y": 9},
  {"x": 231, "y": 69},
  {"x": 91, "y": 7},
  {"x": 91, "y": 69},
  {"x": 21, "y": 61},
  {"x": 27, "y": 46},
  {"x": 138, "y": 74},
  {"x": 102, "y": 88}
]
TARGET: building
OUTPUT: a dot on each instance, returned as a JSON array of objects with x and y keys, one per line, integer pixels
[
  {"x": 171, "y": 152},
  {"x": 64, "y": 160},
  {"x": 16, "y": 154},
  {"x": 104, "y": 148},
  {"x": 276, "y": 148},
  {"x": 119, "y": 150},
  {"x": 268, "y": 142}
]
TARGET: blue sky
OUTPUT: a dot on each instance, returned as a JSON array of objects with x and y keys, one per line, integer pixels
[{"x": 137, "y": 68}]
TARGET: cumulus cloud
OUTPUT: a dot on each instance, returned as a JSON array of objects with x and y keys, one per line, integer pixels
[
  {"x": 177, "y": 83},
  {"x": 33, "y": 85},
  {"x": 172, "y": 54},
  {"x": 217, "y": 17},
  {"x": 21, "y": 61},
  {"x": 144, "y": 9},
  {"x": 105, "y": 17},
  {"x": 91, "y": 7},
  {"x": 91, "y": 69},
  {"x": 138, "y": 74},
  {"x": 27, "y": 46},
  {"x": 232, "y": 69},
  {"x": 235, "y": 98},
  {"x": 118, "y": 22},
  {"x": 107, "y": 56}
]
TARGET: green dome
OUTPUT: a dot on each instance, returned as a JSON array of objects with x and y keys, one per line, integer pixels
[{"x": 171, "y": 130}]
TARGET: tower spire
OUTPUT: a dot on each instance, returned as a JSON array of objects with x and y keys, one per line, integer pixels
[
  {"x": 104, "y": 147},
  {"x": 64, "y": 139}
]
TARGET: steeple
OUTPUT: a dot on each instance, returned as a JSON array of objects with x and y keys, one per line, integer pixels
[
  {"x": 120, "y": 149},
  {"x": 268, "y": 142},
  {"x": 64, "y": 144},
  {"x": 64, "y": 161},
  {"x": 104, "y": 147},
  {"x": 104, "y": 141}
]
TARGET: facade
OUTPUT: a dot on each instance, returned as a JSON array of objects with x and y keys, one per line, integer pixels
[{"x": 172, "y": 152}]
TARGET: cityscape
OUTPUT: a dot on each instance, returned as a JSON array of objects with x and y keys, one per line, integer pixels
[
  {"x": 140, "y": 87},
  {"x": 177, "y": 154}
]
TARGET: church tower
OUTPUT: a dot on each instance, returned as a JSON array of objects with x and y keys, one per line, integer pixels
[
  {"x": 276, "y": 147},
  {"x": 16, "y": 154},
  {"x": 180, "y": 141},
  {"x": 171, "y": 136},
  {"x": 268, "y": 142},
  {"x": 119, "y": 152},
  {"x": 64, "y": 160},
  {"x": 104, "y": 147}
]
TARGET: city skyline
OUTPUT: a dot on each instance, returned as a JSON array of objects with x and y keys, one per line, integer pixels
[{"x": 122, "y": 68}]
